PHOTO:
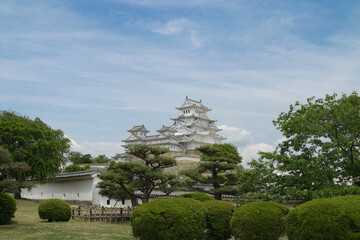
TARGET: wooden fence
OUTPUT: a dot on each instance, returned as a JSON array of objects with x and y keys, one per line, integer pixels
[{"x": 101, "y": 214}]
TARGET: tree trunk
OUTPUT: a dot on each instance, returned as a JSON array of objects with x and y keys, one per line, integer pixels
[
  {"x": 145, "y": 200},
  {"x": 134, "y": 201},
  {"x": 217, "y": 196},
  {"x": 17, "y": 193}
]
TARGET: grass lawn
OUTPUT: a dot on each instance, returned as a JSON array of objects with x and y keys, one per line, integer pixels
[{"x": 28, "y": 225}]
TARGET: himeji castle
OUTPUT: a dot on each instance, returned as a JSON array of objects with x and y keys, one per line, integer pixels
[{"x": 191, "y": 129}]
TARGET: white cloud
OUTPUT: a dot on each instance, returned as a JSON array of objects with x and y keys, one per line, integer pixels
[
  {"x": 97, "y": 148},
  {"x": 235, "y": 135},
  {"x": 173, "y": 27},
  {"x": 250, "y": 152},
  {"x": 194, "y": 39}
]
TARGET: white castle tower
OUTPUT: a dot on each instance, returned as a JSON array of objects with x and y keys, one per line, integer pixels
[{"x": 191, "y": 129}]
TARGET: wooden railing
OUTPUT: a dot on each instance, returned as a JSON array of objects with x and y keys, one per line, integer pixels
[{"x": 101, "y": 214}]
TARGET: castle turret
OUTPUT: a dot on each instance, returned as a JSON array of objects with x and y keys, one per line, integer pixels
[{"x": 191, "y": 129}]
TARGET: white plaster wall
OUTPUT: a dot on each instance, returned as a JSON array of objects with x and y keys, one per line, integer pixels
[
  {"x": 96, "y": 195},
  {"x": 78, "y": 190},
  {"x": 188, "y": 158},
  {"x": 104, "y": 202}
]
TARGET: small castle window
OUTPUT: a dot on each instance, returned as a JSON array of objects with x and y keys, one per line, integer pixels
[{"x": 108, "y": 202}]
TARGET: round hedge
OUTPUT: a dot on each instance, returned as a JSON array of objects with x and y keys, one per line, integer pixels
[
  {"x": 164, "y": 219},
  {"x": 259, "y": 220},
  {"x": 7, "y": 208},
  {"x": 328, "y": 218},
  {"x": 54, "y": 210},
  {"x": 218, "y": 215},
  {"x": 202, "y": 197}
]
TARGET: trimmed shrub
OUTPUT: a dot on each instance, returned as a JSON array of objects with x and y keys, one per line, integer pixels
[
  {"x": 218, "y": 215},
  {"x": 202, "y": 197},
  {"x": 54, "y": 210},
  {"x": 7, "y": 208},
  {"x": 259, "y": 220},
  {"x": 328, "y": 218},
  {"x": 164, "y": 219}
]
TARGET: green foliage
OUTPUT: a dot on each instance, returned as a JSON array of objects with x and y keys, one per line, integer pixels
[
  {"x": 321, "y": 144},
  {"x": 54, "y": 210},
  {"x": 77, "y": 157},
  {"x": 100, "y": 159},
  {"x": 76, "y": 168},
  {"x": 336, "y": 190},
  {"x": 202, "y": 197},
  {"x": 164, "y": 219},
  {"x": 7, "y": 208},
  {"x": 34, "y": 143},
  {"x": 144, "y": 174},
  {"x": 259, "y": 220},
  {"x": 218, "y": 166},
  {"x": 257, "y": 182},
  {"x": 8, "y": 169},
  {"x": 218, "y": 216},
  {"x": 325, "y": 219}
]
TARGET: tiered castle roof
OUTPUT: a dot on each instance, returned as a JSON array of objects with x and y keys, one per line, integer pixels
[{"x": 191, "y": 129}]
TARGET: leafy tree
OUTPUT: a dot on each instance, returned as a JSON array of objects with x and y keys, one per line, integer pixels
[
  {"x": 218, "y": 166},
  {"x": 256, "y": 183},
  {"x": 140, "y": 177},
  {"x": 34, "y": 143},
  {"x": 325, "y": 131},
  {"x": 77, "y": 157},
  {"x": 9, "y": 168},
  {"x": 321, "y": 148},
  {"x": 76, "y": 168},
  {"x": 100, "y": 159},
  {"x": 110, "y": 188}
]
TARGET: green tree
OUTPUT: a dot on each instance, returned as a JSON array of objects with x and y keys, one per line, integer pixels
[
  {"x": 101, "y": 159},
  {"x": 140, "y": 177},
  {"x": 110, "y": 188},
  {"x": 257, "y": 182},
  {"x": 327, "y": 130},
  {"x": 218, "y": 167},
  {"x": 321, "y": 147},
  {"x": 77, "y": 157},
  {"x": 34, "y": 143},
  {"x": 76, "y": 168},
  {"x": 8, "y": 169}
]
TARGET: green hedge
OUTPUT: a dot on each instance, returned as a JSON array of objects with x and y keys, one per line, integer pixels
[
  {"x": 218, "y": 215},
  {"x": 259, "y": 220},
  {"x": 169, "y": 219},
  {"x": 54, "y": 210},
  {"x": 328, "y": 218},
  {"x": 202, "y": 197},
  {"x": 7, "y": 208}
]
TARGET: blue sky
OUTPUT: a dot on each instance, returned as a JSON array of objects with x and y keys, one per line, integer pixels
[{"x": 96, "y": 68}]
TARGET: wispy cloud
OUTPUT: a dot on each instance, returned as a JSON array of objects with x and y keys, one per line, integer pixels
[
  {"x": 110, "y": 149},
  {"x": 173, "y": 27},
  {"x": 84, "y": 69},
  {"x": 195, "y": 40},
  {"x": 235, "y": 135}
]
